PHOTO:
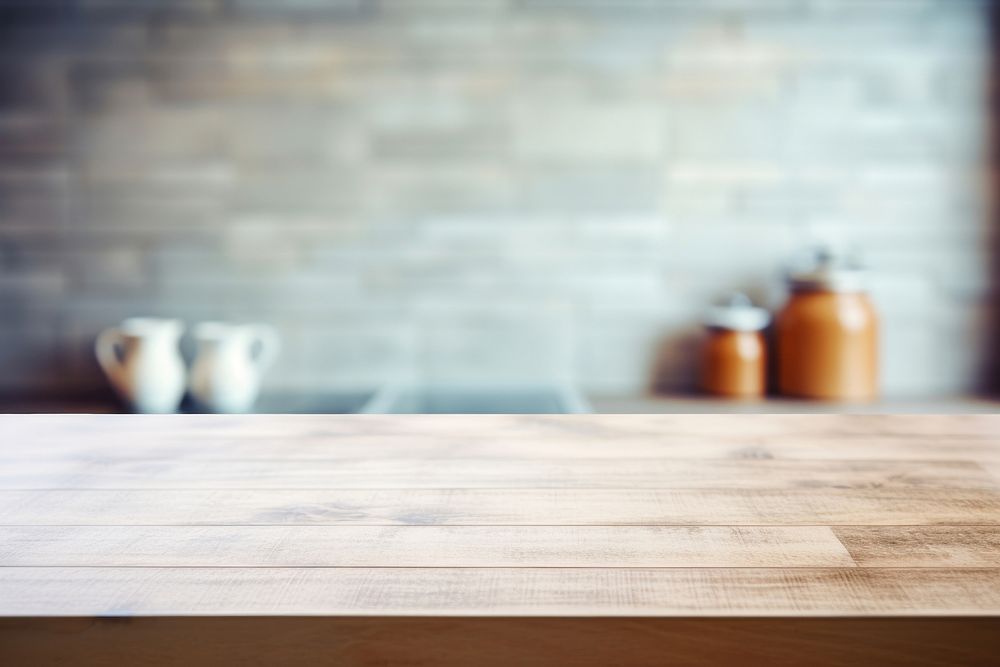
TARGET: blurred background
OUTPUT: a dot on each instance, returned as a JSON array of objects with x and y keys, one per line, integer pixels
[{"x": 488, "y": 191}]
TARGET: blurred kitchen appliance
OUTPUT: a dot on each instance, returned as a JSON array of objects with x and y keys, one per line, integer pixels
[
  {"x": 827, "y": 333},
  {"x": 229, "y": 365},
  {"x": 142, "y": 360},
  {"x": 734, "y": 355}
]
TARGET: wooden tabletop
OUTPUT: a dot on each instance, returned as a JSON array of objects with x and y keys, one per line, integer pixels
[{"x": 696, "y": 531}]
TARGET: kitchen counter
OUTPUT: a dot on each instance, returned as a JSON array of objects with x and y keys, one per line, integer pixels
[
  {"x": 500, "y": 540},
  {"x": 345, "y": 402},
  {"x": 700, "y": 404}
]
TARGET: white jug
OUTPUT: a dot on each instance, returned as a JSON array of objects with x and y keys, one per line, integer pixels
[
  {"x": 143, "y": 363},
  {"x": 227, "y": 369}
]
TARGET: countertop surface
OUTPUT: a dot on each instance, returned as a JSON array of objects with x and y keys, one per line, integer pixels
[
  {"x": 700, "y": 404},
  {"x": 566, "y": 516},
  {"x": 345, "y": 401}
]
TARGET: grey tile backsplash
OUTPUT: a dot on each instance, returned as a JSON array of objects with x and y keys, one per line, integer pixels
[{"x": 480, "y": 187}]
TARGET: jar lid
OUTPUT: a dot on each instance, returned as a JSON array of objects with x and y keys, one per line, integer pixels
[
  {"x": 737, "y": 314},
  {"x": 828, "y": 268}
]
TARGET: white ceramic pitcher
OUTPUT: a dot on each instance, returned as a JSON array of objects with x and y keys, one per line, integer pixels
[
  {"x": 229, "y": 364},
  {"x": 143, "y": 363}
]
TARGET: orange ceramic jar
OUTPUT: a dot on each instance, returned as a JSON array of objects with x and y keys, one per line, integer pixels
[
  {"x": 734, "y": 354},
  {"x": 827, "y": 335}
]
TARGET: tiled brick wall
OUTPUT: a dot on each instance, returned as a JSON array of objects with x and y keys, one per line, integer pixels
[{"x": 484, "y": 187}]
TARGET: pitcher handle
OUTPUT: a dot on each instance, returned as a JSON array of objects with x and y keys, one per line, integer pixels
[
  {"x": 106, "y": 349},
  {"x": 268, "y": 343}
]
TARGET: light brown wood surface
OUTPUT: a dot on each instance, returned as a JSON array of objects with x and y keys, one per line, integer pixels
[
  {"x": 402, "y": 473},
  {"x": 420, "y": 540}
]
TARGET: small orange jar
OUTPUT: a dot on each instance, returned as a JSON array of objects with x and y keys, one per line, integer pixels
[
  {"x": 827, "y": 333},
  {"x": 734, "y": 357}
]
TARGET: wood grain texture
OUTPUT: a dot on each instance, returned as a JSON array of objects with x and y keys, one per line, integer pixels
[
  {"x": 821, "y": 437},
  {"x": 422, "y": 546},
  {"x": 605, "y": 591},
  {"x": 772, "y": 426},
  {"x": 922, "y": 546},
  {"x": 503, "y": 546},
  {"x": 493, "y": 539},
  {"x": 993, "y": 468},
  {"x": 460, "y": 507},
  {"x": 306, "y": 641},
  {"x": 461, "y": 473}
]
